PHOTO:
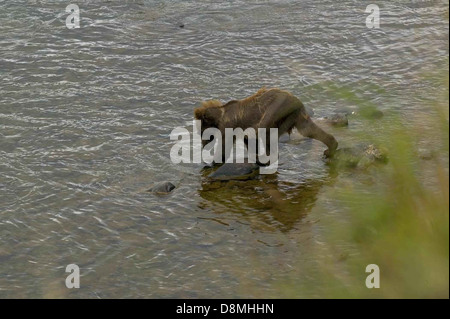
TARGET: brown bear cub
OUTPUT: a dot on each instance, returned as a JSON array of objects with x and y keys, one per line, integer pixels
[{"x": 267, "y": 108}]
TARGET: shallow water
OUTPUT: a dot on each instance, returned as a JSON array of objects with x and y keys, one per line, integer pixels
[{"x": 85, "y": 118}]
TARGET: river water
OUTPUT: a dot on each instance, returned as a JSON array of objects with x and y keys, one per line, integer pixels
[{"x": 85, "y": 118}]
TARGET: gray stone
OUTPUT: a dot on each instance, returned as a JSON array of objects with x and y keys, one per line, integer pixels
[{"x": 162, "y": 188}]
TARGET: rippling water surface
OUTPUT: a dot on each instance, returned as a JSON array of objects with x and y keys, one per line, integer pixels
[{"x": 85, "y": 118}]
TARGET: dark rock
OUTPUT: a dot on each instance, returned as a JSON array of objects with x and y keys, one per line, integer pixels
[
  {"x": 235, "y": 171},
  {"x": 162, "y": 188}
]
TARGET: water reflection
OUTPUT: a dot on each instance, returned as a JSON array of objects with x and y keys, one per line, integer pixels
[{"x": 265, "y": 202}]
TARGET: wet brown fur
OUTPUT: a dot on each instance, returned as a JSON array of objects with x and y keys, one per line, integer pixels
[{"x": 267, "y": 108}]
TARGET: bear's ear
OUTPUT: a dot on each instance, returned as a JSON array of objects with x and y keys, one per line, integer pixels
[
  {"x": 199, "y": 113},
  {"x": 209, "y": 116}
]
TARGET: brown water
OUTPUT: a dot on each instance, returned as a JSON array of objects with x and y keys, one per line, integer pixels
[{"x": 85, "y": 118}]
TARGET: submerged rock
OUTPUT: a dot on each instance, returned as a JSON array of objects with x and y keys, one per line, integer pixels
[
  {"x": 362, "y": 155},
  {"x": 162, "y": 188},
  {"x": 374, "y": 153},
  {"x": 235, "y": 171}
]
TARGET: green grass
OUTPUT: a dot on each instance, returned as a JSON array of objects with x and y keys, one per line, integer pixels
[
  {"x": 398, "y": 220},
  {"x": 403, "y": 228}
]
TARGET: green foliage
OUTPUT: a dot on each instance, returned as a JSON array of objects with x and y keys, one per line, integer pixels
[
  {"x": 403, "y": 227},
  {"x": 399, "y": 220}
]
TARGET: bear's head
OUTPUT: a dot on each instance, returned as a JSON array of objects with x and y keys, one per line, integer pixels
[{"x": 209, "y": 114}]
